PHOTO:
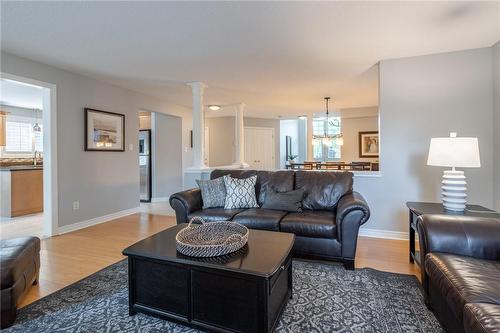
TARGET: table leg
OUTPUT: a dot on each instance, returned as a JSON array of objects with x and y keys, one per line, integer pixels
[{"x": 412, "y": 237}]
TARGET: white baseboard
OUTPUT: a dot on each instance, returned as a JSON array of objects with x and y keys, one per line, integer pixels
[
  {"x": 159, "y": 199},
  {"x": 387, "y": 234},
  {"x": 97, "y": 220}
]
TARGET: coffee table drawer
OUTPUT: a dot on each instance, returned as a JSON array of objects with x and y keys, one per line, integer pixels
[
  {"x": 161, "y": 286},
  {"x": 228, "y": 301}
]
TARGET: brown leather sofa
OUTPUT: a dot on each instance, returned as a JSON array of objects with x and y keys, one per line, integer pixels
[
  {"x": 327, "y": 228},
  {"x": 461, "y": 279},
  {"x": 19, "y": 266}
]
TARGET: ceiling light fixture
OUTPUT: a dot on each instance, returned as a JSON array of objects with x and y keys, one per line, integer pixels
[
  {"x": 214, "y": 107},
  {"x": 303, "y": 117}
]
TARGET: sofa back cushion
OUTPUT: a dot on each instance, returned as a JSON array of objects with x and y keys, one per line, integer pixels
[
  {"x": 323, "y": 189},
  {"x": 281, "y": 181}
]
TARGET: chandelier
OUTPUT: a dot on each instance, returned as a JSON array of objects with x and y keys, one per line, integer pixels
[{"x": 327, "y": 138}]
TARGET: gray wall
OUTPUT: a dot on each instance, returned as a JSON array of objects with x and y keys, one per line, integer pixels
[
  {"x": 420, "y": 98},
  {"x": 222, "y": 137},
  {"x": 221, "y": 140},
  {"x": 103, "y": 182},
  {"x": 167, "y": 155},
  {"x": 361, "y": 120},
  {"x": 496, "y": 122}
]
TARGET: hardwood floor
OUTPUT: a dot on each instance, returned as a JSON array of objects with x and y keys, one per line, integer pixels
[{"x": 68, "y": 258}]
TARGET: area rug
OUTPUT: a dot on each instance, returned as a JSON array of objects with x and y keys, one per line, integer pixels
[{"x": 327, "y": 298}]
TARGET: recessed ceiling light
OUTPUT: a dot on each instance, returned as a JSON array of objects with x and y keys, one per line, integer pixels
[
  {"x": 214, "y": 107},
  {"x": 302, "y": 117}
]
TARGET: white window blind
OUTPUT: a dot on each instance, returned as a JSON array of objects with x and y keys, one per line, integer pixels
[{"x": 19, "y": 137}]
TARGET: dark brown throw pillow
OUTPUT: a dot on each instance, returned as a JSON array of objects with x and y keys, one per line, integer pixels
[{"x": 288, "y": 201}]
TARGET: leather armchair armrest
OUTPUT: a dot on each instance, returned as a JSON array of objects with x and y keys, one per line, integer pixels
[
  {"x": 463, "y": 235},
  {"x": 185, "y": 202},
  {"x": 352, "y": 212}
]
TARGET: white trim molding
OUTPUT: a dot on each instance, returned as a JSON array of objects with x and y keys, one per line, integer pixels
[
  {"x": 386, "y": 234},
  {"x": 50, "y": 185},
  {"x": 97, "y": 220},
  {"x": 159, "y": 199}
]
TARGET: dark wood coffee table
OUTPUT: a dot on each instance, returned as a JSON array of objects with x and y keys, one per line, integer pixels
[{"x": 242, "y": 292}]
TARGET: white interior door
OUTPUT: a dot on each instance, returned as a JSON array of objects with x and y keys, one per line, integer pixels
[{"x": 259, "y": 148}]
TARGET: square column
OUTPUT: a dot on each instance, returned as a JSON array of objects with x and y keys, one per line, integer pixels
[{"x": 239, "y": 138}]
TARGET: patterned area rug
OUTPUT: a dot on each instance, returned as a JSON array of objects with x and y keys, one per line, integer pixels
[{"x": 327, "y": 298}]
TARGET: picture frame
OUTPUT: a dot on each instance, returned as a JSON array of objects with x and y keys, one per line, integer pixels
[
  {"x": 369, "y": 144},
  {"x": 104, "y": 131}
]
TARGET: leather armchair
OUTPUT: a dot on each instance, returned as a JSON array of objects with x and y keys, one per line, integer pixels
[
  {"x": 20, "y": 266},
  {"x": 460, "y": 258},
  {"x": 461, "y": 235}
]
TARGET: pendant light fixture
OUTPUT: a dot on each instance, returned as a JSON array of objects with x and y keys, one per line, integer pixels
[
  {"x": 36, "y": 127},
  {"x": 327, "y": 138}
]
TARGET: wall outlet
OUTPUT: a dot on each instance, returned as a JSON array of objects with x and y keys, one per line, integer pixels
[
  {"x": 76, "y": 205},
  {"x": 131, "y": 146}
]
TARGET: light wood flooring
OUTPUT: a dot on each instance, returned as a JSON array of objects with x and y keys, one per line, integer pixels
[{"x": 67, "y": 258}]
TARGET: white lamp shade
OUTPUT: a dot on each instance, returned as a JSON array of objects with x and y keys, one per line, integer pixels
[{"x": 454, "y": 152}]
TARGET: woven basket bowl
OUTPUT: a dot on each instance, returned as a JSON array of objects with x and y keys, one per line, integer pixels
[{"x": 211, "y": 239}]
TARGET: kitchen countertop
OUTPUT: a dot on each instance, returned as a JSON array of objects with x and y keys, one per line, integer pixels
[{"x": 21, "y": 167}]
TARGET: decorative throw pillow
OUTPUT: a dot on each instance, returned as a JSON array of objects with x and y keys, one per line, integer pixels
[
  {"x": 213, "y": 192},
  {"x": 240, "y": 192},
  {"x": 290, "y": 201}
]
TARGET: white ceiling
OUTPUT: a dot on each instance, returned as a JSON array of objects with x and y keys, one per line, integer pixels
[
  {"x": 18, "y": 94},
  {"x": 280, "y": 58}
]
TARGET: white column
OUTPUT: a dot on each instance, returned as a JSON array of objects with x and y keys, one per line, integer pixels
[
  {"x": 239, "y": 137},
  {"x": 198, "y": 125},
  {"x": 309, "y": 134}
]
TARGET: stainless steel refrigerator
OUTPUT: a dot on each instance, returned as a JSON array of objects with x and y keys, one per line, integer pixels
[{"x": 145, "y": 164}]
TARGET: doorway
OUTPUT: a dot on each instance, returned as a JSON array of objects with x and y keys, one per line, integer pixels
[
  {"x": 145, "y": 169},
  {"x": 259, "y": 148},
  {"x": 28, "y": 158}
]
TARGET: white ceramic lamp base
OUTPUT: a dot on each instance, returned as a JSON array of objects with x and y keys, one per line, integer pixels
[{"x": 454, "y": 190}]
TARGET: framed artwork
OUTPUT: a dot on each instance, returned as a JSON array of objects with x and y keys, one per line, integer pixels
[
  {"x": 368, "y": 144},
  {"x": 104, "y": 131}
]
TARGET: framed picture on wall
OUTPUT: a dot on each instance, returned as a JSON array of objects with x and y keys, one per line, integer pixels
[
  {"x": 104, "y": 131},
  {"x": 368, "y": 144}
]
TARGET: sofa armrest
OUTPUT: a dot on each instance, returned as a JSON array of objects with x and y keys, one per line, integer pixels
[
  {"x": 352, "y": 212},
  {"x": 463, "y": 235},
  {"x": 185, "y": 202}
]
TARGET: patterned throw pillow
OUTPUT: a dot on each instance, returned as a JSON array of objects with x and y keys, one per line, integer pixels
[
  {"x": 213, "y": 192},
  {"x": 240, "y": 192}
]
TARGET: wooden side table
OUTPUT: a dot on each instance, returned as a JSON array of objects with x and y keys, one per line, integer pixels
[{"x": 421, "y": 208}]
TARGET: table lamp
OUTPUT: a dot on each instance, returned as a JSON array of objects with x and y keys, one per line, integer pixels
[{"x": 454, "y": 152}]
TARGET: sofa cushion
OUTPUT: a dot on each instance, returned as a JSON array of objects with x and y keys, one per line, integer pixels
[
  {"x": 323, "y": 189},
  {"x": 215, "y": 214},
  {"x": 18, "y": 256},
  {"x": 481, "y": 318},
  {"x": 290, "y": 201},
  {"x": 464, "y": 279},
  {"x": 260, "y": 218},
  {"x": 320, "y": 224},
  {"x": 281, "y": 181}
]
